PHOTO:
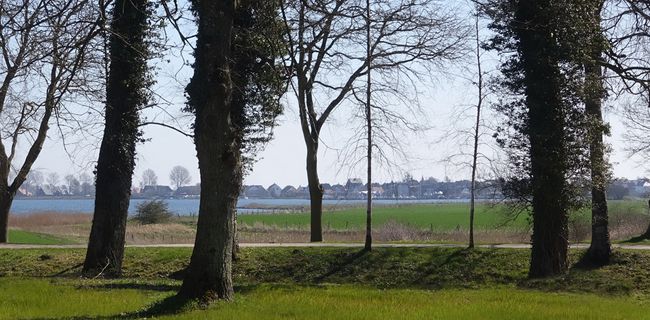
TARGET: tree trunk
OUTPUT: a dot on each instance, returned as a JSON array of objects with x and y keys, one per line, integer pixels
[
  {"x": 315, "y": 194},
  {"x": 209, "y": 274},
  {"x": 477, "y": 126},
  {"x": 6, "y": 198},
  {"x": 368, "y": 243},
  {"x": 600, "y": 249},
  {"x": 546, "y": 131},
  {"x": 235, "y": 239},
  {"x": 646, "y": 234},
  {"x": 124, "y": 96}
]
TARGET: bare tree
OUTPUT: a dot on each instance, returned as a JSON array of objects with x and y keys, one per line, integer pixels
[
  {"x": 48, "y": 54},
  {"x": 368, "y": 242},
  {"x": 627, "y": 74},
  {"x": 477, "y": 133},
  {"x": 53, "y": 179},
  {"x": 73, "y": 184},
  {"x": 85, "y": 178},
  {"x": 326, "y": 61},
  {"x": 149, "y": 178},
  {"x": 179, "y": 176},
  {"x": 35, "y": 178}
]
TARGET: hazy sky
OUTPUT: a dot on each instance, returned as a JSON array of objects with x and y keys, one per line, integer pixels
[{"x": 283, "y": 160}]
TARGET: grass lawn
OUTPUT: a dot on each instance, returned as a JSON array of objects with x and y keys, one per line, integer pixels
[
  {"x": 26, "y": 237},
  {"x": 329, "y": 283},
  {"x": 84, "y": 299}
]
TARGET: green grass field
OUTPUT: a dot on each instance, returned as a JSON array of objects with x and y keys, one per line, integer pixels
[
  {"x": 439, "y": 216},
  {"x": 447, "y": 216},
  {"x": 26, "y": 237},
  {"x": 328, "y": 283},
  {"x": 32, "y": 299}
]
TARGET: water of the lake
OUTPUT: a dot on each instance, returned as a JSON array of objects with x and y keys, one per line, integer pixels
[{"x": 188, "y": 206}]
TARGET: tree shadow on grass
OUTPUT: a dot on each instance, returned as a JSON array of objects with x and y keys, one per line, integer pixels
[
  {"x": 171, "y": 305},
  {"x": 133, "y": 285},
  {"x": 587, "y": 263},
  {"x": 347, "y": 261},
  {"x": 433, "y": 268},
  {"x": 68, "y": 272},
  {"x": 637, "y": 239},
  {"x": 168, "y": 306}
]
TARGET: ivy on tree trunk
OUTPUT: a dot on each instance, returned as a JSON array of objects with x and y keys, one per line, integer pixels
[
  {"x": 209, "y": 274},
  {"x": 546, "y": 132},
  {"x": 125, "y": 94}
]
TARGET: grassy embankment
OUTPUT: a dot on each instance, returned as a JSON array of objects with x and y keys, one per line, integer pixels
[{"x": 329, "y": 283}]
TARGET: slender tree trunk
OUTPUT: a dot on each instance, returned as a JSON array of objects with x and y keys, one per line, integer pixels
[
  {"x": 209, "y": 274},
  {"x": 6, "y": 198},
  {"x": 646, "y": 235},
  {"x": 368, "y": 244},
  {"x": 477, "y": 125},
  {"x": 546, "y": 125},
  {"x": 315, "y": 194},
  {"x": 600, "y": 249},
  {"x": 124, "y": 95}
]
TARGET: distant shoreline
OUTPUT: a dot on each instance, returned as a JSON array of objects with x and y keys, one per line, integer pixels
[{"x": 189, "y": 207}]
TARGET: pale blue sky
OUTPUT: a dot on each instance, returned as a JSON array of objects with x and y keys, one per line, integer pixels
[{"x": 283, "y": 160}]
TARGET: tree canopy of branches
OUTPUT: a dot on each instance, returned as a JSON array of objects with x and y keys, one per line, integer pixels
[
  {"x": 49, "y": 57},
  {"x": 258, "y": 82},
  {"x": 627, "y": 29},
  {"x": 149, "y": 178},
  {"x": 327, "y": 60},
  {"x": 179, "y": 176},
  {"x": 126, "y": 93}
]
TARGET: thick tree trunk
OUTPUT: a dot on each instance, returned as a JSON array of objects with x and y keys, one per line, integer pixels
[
  {"x": 546, "y": 129},
  {"x": 315, "y": 194},
  {"x": 6, "y": 198},
  {"x": 600, "y": 249},
  {"x": 209, "y": 274},
  {"x": 117, "y": 152}
]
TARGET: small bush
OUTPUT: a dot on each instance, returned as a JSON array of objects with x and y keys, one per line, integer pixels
[{"x": 151, "y": 212}]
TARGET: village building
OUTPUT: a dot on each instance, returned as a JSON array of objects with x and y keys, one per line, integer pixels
[
  {"x": 256, "y": 191},
  {"x": 275, "y": 191}
]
